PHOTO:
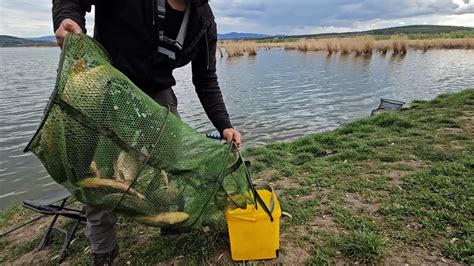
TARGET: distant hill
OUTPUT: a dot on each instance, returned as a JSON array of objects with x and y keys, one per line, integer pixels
[
  {"x": 418, "y": 29},
  {"x": 240, "y": 35},
  {"x": 412, "y": 29},
  {"x": 51, "y": 38},
  {"x": 11, "y": 41}
]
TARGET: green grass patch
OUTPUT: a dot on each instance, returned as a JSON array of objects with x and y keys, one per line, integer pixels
[
  {"x": 322, "y": 256},
  {"x": 7, "y": 215},
  {"x": 439, "y": 202},
  {"x": 302, "y": 211},
  {"x": 197, "y": 246},
  {"x": 353, "y": 222},
  {"x": 360, "y": 245}
]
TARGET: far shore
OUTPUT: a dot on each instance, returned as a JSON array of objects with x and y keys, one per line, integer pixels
[
  {"x": 31, "y": 46},
  {"x": 359, "y": 45}
]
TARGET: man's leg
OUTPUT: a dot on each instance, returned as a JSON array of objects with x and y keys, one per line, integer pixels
[{"x": 100, "y": 230}]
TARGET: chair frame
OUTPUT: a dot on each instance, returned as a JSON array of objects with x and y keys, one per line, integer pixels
[{"x": 46, "y": 207}]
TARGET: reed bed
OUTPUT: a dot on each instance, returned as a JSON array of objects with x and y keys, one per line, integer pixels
[
  {"x": 237, "y": 48},
  {"x": 466, "y": 43},
  {"x": 362, "y": 45}
]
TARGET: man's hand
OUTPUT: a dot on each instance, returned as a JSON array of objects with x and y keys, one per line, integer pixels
[
  {"x": 230, "y": 135},
  {"x": 67, "y": 25}
]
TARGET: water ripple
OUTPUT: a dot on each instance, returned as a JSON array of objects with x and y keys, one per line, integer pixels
[{"x": 275, "y": 96}]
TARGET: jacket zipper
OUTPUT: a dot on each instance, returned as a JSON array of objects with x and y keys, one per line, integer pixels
[
  {"x": 153, "y": 6},
  {"x": 196, "y": 40}
]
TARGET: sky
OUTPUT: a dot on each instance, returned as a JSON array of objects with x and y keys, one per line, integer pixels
[{"x": 32, "y": 18}]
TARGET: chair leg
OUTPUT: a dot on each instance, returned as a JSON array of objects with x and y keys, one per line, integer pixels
[
  {"x": 67, "y": 242},
  {"x": 45, "y": 240}
]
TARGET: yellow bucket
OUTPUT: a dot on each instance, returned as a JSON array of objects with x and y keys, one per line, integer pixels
[{"x": 252, "y": 234}]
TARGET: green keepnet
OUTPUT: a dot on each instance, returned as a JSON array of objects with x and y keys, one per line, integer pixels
[{"x": 115, "y": 148}]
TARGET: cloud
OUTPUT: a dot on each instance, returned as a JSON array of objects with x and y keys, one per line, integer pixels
[
  {"x": 26, "y": 18},
  {"x": 33, "y": 18},
  {"x": 336, "y": 13}
]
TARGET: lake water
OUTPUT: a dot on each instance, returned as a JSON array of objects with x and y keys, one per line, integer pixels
[{"x": 277, "y": 95}]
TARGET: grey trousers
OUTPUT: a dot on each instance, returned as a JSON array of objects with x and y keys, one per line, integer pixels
[{"x": 100, "y": 228}]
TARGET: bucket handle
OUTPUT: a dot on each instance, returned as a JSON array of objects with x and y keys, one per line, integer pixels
[
  {"x": 271, "y": 208},
  {"x": 268, "y": 209},
  {"x": 258, "y": 199}
]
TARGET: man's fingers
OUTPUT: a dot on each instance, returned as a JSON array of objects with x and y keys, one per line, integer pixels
[
  {"x": 232, "y": 135},
  {"x": 60, "y": 34},
  {"x": 237, "y": 138},
  {"x": 71, "y": 26},
  {"x": 227, "y": 137},
  {"x": 67, "y": 25}
]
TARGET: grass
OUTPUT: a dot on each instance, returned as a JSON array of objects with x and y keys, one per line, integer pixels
[
  {"x": 358, "y": 45},
  {"x": 397, "y": 188},
  {"x": 360, "y": 245},
  {"x": 6, "y": 216},
  {"x": 396, "y": 181}
]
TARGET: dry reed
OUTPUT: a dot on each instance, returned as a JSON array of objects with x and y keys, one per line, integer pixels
[
  {"x": 362, "y": 45},
  {"x": 238, "y": 48},
  {"x": 466, "y": 43}
]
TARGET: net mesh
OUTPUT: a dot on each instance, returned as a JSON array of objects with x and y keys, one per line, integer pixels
[
  {"x": 115, "y": 148},
  {"x": 387, "y": 105}
]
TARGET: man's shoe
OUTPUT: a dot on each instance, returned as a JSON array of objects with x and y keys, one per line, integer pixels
[{"x": 106, "y": 259}]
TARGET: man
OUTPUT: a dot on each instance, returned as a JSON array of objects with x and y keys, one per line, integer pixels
[{"x": 146, "y": 40}]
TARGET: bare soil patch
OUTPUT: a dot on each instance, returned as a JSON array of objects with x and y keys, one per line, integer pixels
[
  {"x": 266, "y": 174},
  {"x": 285, "y": 182},
  {"x": 292, "y": 254},
  {"x": 34, "y": 257},
  {"x": 357, "y": 202},
  {"x": 402, "y": 255},
  {"x": 452, "y": 130}
]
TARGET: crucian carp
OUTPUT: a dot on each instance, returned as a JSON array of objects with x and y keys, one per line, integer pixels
[
  {"x": 95, "y": 182},
  {"x": 126, "y": 167},
  {"x": 164, "y": 219}
]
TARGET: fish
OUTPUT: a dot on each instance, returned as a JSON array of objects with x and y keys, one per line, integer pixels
[
  {"x": 50, "y": 144},
  {"x": 126, "y": 167},
  {"x": 96, "y": 182},
  {"x": 80, "y": 77},
  {"x": 96, "y": 171},
  {"x": 163, "y": 219},
  {"x": 129, "y": 205},
  {"x": 166, "y": 200},
  {"x": 164, "y": 177}
]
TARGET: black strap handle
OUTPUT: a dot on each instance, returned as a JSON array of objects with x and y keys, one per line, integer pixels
[{"x": 258, "y": 199}]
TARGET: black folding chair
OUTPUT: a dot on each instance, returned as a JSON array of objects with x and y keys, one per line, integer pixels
[{"x": 55, "y": 204}]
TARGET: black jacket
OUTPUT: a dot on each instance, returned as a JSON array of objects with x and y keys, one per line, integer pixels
[{"x": 125, "y": 29}]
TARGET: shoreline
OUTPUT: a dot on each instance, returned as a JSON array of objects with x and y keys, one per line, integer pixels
[
  {"x": 34, "y": 46},
  {"x": 394, "y": 191}
]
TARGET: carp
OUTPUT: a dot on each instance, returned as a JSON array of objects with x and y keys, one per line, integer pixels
[
  {"x": 126, "y": 167},
  {"x": 163, "y": 219},
  {"x": 95, "y": 182}
]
